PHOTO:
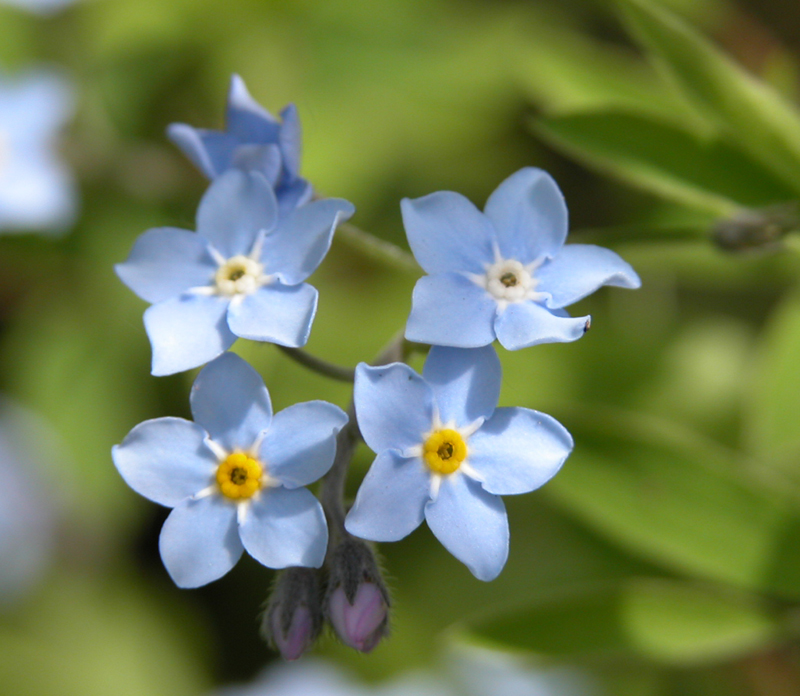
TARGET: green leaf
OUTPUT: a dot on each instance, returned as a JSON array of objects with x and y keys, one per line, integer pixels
[
  {"x": 748, "y": 110},
  {"x": 671, "y": 496},
  {"x": 673, "y": 622},
  {"x": 695, "y": 171}
]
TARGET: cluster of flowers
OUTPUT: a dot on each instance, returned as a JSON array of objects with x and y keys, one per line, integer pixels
[{"x": 236, "y": 476}]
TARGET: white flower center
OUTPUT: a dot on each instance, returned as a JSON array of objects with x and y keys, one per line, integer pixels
[
  {"x": 239, "y": 275},
  {"x": 508, "y": 280}
]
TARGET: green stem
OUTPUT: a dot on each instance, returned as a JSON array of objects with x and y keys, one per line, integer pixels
[{"x": 322, "y": 367}]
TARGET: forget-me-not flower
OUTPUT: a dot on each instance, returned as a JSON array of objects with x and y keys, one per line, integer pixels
[
  {"x": 40, "y": 6},
  {"x": 446, "y": 454},
  {"x": 234, "y": 476},
  {"x": 253, "y": 140},
  {"x": 241, "y": 274},
  {"x": 504, "y": 273},
  {"x": 36, "y": 188}
]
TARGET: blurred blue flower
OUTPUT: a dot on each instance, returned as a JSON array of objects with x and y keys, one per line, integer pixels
[
  {"x": 36, "y": 189},
  {"x": 504, "y": 273},
  {"x": 253, "y": 140},
  {"x": 241, "y": 274},
  {"x": 445, "y": 454},
  {"x": 235, "y": 476},
  {"x": 40, "y": 6},
  {"x": 28, "y": 508}
]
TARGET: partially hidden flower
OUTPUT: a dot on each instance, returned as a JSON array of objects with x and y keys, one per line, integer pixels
[
  {"x": 235, "y": 476},
  {"x": 36, "y": 188},
  {"x": 253, "y": 140},
  {"x": 445, "y": 454},
  {"x": 43, "y": 7},
  {"x": 504, "y": 273},
  {"x": 240, "y": 275}
]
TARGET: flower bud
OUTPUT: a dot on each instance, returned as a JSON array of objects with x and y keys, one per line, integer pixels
[
  {"x": 293, "y": 619},
  {"x": 755, "y": 229},
  {"x": 357, "y": 603}
]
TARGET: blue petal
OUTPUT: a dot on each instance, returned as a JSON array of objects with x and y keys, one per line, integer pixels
[
  {"x": 285, "y": 528},
  {"x": 34, "y": 106},
  {"x": 517, "y": 450},
  {"x": 230, "y": 401},
  {"x": 451, "y": 310},
  {"x": 465, "y": 382},
  {"x": 187, "y": 331},
  {"x": 237, "y": 206},
  {"x": 293, "y": 194},
  {"x": 391, "y": 500},
  {"x": 529, "y": 214},
  {"x": 300, "y": 446},
  {"x": 578, "y": 270},
  {"x": 165, "y": 262},
  {"x": 264, "y": 159},
  {"x": 297, "y": 247},
  {"x": 276, "y": 313},
  {"x": 246, "y": 119},
  {"x": 165, "y": 460},
  {"x": 199, "y": 541},
  {"x": 394, "y": 406},
  {"x": 447, "y": 233},
  {"x": 471, "y": 524},
  {"x": 209, "y": 150},
  {"x": 524, "y": 324},
  {"x": 290, "y": 139}
]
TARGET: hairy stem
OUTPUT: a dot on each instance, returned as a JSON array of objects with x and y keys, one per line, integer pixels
[{"x": 322, "y": 367}]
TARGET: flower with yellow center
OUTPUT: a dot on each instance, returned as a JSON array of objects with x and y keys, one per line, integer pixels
[{"x": 239, "y": 476}]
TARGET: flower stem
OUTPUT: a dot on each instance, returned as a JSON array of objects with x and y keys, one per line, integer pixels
[{"x": 343, "y": 374}]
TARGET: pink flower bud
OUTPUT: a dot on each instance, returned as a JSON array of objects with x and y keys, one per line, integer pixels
[
  {"x": 362, "y": 624},
  {"x": 298, "y": 638}
]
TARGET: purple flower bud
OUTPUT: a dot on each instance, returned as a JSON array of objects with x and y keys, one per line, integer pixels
[
  {"x": 361, "y": 624},
  {"x": 294, "y": 642}
]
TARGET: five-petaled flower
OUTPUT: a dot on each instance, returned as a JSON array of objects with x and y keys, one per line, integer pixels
[
  {"x": 235, "y": 476},
  {"x": 242, "y": 273},
  {"x": 254, "y": 140},
  {"x": 504, "y": 273},
  {"x": 445, "y": 453},
  {"x": 36, "y": 189}
]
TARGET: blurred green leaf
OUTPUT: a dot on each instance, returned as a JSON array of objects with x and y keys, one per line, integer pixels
[
  {"x": 668, "y": 621},
  {"x": 746, "y": 109},
  {"x": 700, "y": 172}
]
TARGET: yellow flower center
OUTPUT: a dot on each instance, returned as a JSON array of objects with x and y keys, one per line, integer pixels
[
  {"x": 444, "y": 450},
  {"x": 239, "y": 476}
]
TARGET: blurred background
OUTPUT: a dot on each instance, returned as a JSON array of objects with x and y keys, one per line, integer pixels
[{"x": 664, "y": 558}]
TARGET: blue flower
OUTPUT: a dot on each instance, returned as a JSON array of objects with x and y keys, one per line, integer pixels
[
  {"x": 241, "y": 275},
  {"x": 445, "y": 454},
  {"x": 40, "y": 6},
  {"x": 235, "y": 476},
  {"x": 36, "y": 189},
  {"x": 254, "y": 140},
  {"x": 504, "y": 273}
]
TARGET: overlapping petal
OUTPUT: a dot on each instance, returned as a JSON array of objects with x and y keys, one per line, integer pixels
[
  {"x": 166, "y": 261},
  {"x": 390, "y": 503},
  {"x": 264, "y": 159},
  {"x": 303, "y": 238},
  {"x": 285, "y": 528},
  {"x": 234, "y": 210},
  {"x": 230, "y": 401},
  {"x": 290, "y": 139},
  {"x": 580, "y": 269},
  {"x": 276, "y": 313},
  {"x": 300, "y": 445},
  {"x": 199, "y": 541},
  {"x": 529, "y": 215},
  {"x": 450, "y": 310},
  {"x": 246, "y": 119},
  {"x": 209, "y": 150},
  {"x": 524, "y": 324},
  {"x": 187, "y": 331},
  {"x": 394, "y": 406},
  {"x": 465, "y": 382},
  {"x": 471, "y": 524},
  {"x": 447, "y": 232},
  {"x": 517, "y": 450},
  {"x": 165, "y": 460}
]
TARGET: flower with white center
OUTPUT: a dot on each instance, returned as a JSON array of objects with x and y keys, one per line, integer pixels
[
  {"x": 234, "y": 476},
  {"x": 445, "y": 453},
  {"x": 504, "y": 273},
  {"x": 254, "y": 140},
  {"x": 242, "y": 274},
  {"x": 36, "y": 189}
]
